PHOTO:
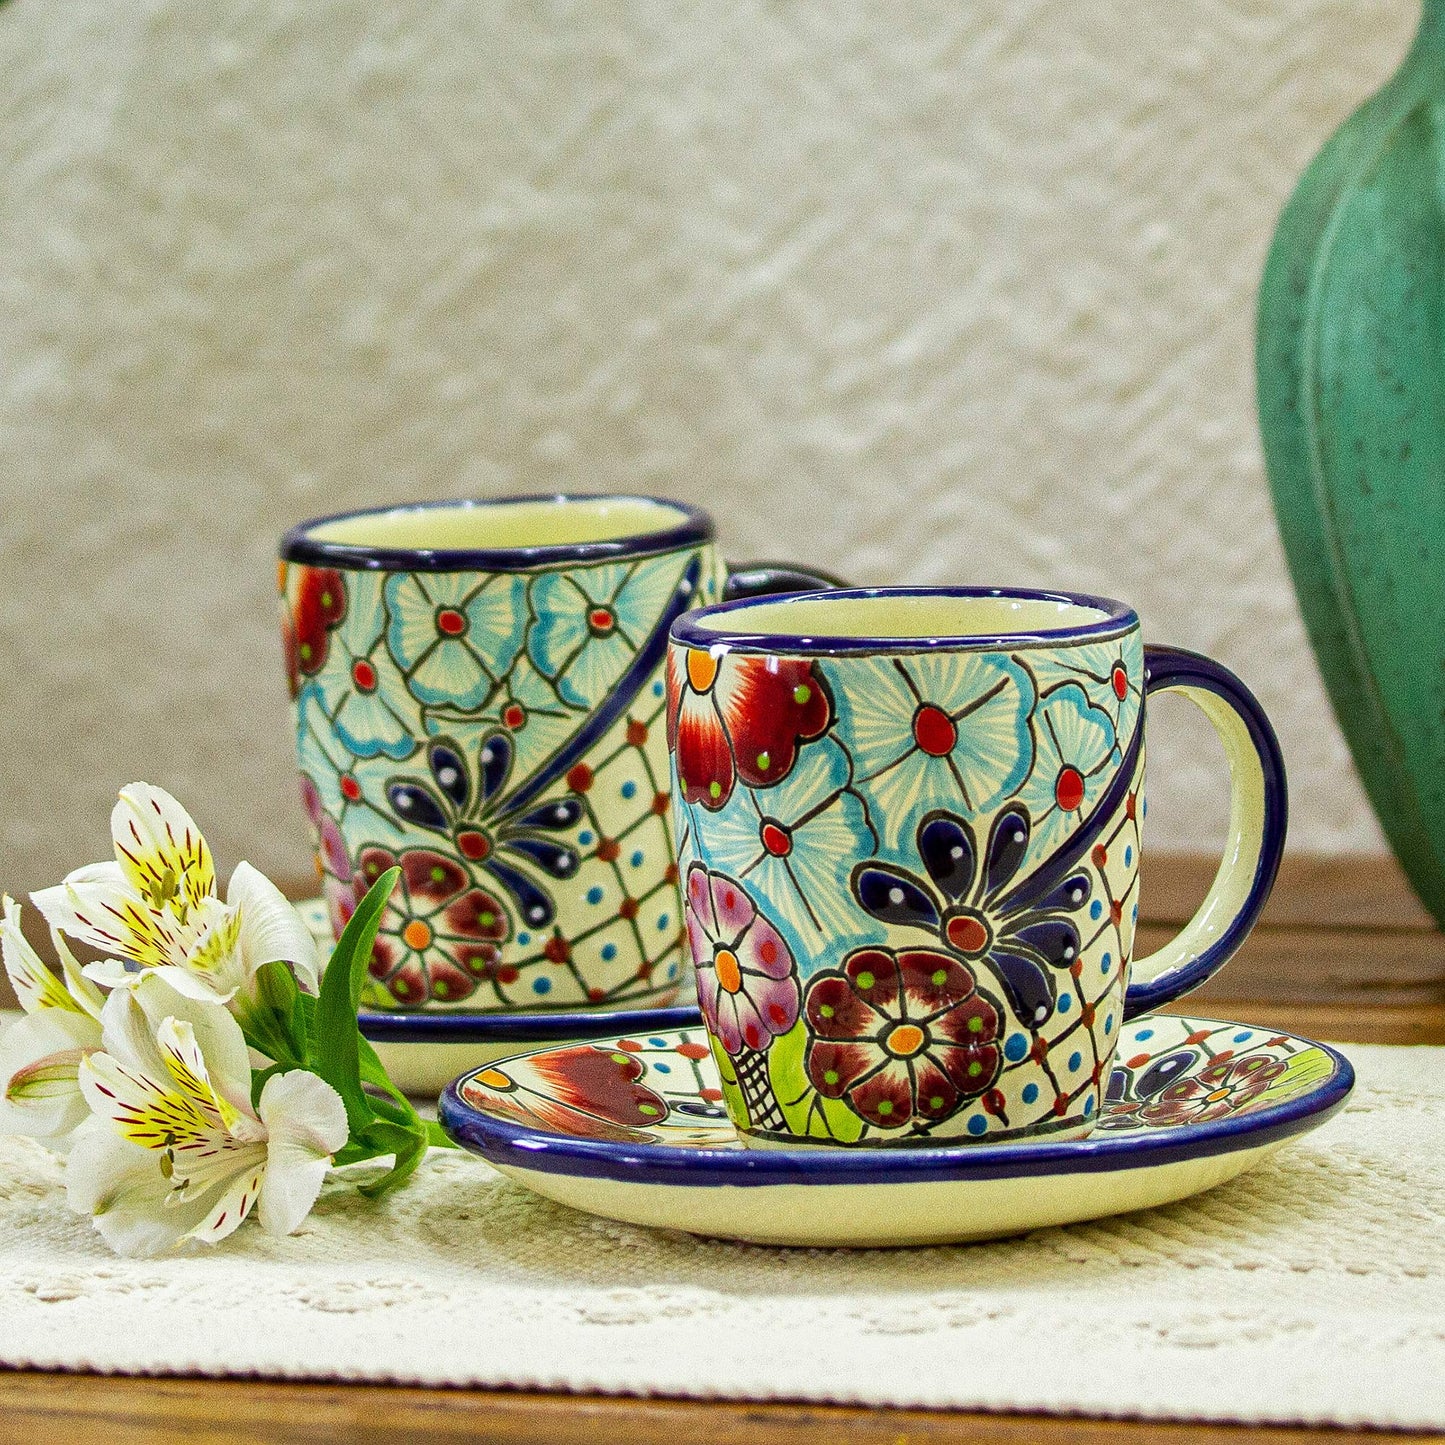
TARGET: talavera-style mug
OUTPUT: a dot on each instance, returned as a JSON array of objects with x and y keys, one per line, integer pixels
[
  {"x": 478, "y": 698},
  {"x": 908, "y": 822}
]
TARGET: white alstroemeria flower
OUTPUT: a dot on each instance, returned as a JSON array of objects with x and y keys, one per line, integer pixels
[
  {"x": 174, "y": 1150},
  {"x": 40, "y": 1055},
  {"x": 156, "y": 907}
]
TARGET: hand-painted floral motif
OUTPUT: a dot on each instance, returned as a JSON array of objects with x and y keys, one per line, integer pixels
[
  {"x": 970, "y": 799},
  {"x": 1225, "y": 1085},
  {"x": 462, "y": 802},
  {"x": 551, "y": 800},
  {"x": 525, "y": 707},
  {"x": 907, "y": 1038},
  {"x": 441, "y": 933},
  {"x": 786, "y": 842},
  {"x": 367, "y": 701},
  {"x": 580, "y": 1090},
  {"x": 318, "y": 604},
  {"x": 692, "y": 1081},
  {"x": 1078, "y": 754},
  {"x": 591, "y": 622},
  {"x": 1018, "y": 929},
  {"x": 732, "y": 716},
  {"x": 747, "y": 986},
  {"x": 452, "y": 636},
  {"x": 944, "y": 725},
  {"x": 1113, "y": 675}
]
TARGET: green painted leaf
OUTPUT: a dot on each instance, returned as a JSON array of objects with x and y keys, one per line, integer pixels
[{"x": 807, "y": 1112}]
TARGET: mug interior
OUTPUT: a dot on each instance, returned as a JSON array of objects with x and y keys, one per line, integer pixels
[
  {"x": 925, "y": 616},
  {"x": 504, "y": 525}
]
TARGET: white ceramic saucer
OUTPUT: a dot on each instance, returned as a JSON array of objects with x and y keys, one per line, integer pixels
[
  {"x": 633, "y": 1128},
  {"x": 422, "y": 1052}
]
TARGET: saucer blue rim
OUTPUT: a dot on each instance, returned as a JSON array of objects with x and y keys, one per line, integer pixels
[
  {"x": 690, "y": 630},
  {"x": 523, "y": 1148},
  {"x": 522, "y": 1028},
  {"x": 692, "y": 527}
]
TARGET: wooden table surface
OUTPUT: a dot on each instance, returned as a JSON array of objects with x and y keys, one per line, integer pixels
[{"x": 1344, "y": 953}]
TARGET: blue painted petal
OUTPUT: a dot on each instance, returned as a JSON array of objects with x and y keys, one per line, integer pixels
[
  {"x": 1029, "y": 989},
  {"x": 1072, "y": 893},
  {"x": 368, "y": 723},
  {"x": 417, "y": 804},
  {"x": 1008, "y": 844},
  {"x": 496, "y": 760},
  {"x": 1163, "y": 1072},
  {"x": 559, "y": 628},
  {"x": 556, "y": 816},
  {"x": 893, "y": 896},
  {"x": 1055, "y": 940},
  {"x": 450, "y": 770},
  {"x": 946, "y": 845},
  {"x": 555, "y": 858},
  {"x": 496, "y": 619},
  {"x": 537, "y": 908}
]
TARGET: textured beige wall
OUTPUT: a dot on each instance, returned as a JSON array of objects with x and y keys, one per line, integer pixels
[{"x": 922, "y": 292}]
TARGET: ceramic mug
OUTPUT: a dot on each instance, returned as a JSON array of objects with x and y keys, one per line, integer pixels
[
  {"x": 908, "y": 823},
  {"x": 478, "y": 698}
]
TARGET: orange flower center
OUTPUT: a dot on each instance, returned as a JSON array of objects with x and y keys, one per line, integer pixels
[
  {"x": 905, "y": 1039},
  {"x": 729, "y": 975},
  {"x": 417, "y": 934},
  {"x": 701, "y": 669}
]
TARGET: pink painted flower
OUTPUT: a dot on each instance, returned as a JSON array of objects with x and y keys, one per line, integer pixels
[{"x": 746, "y": 983}]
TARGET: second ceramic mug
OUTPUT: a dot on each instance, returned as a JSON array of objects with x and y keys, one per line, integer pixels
[
  {"x": 909, "y": 827},
  {"x": 478, "y": 698}
]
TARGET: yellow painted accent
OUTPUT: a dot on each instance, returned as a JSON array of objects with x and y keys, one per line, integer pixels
[
  {"x": 701, "y": 669},
  {"x": 729, "y": 975}
]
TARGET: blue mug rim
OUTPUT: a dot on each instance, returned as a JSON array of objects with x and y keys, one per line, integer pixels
[
  {"x": 1119, "y": 618},
  {"x": 693, "y": 527}
]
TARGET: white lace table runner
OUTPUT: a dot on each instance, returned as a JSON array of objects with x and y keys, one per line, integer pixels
[{"x": 1310, "y": 1290}]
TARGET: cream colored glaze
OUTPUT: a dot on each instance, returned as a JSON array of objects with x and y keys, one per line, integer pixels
[
  {"x": 1242, "y": 847},
  {"x": 551, "y": 522},
  {"x": 904, "y": 617},
  {"x": 877, "y": 1215}
]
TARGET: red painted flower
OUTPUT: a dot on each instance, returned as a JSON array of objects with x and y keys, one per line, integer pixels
[
  {"x": 1223, "y": 1087},
  {"x": 318, "y": 604},
  {"x": 581, "y": 1090},
  {"x": 440, "y": 933},
  {"x": 736, "y": 716},
  {"x": 906, "y": 1038}
]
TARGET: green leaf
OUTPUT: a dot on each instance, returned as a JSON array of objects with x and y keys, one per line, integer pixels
[
  {"x": 338, "y": 1040},
  {"x": 271, "y": 1020}
]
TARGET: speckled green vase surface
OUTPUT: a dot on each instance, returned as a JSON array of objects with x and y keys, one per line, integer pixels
[{"x": 1352, "y": 410}]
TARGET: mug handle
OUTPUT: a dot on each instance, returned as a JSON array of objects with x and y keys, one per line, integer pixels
[
  {"x": 1258, "y": 816},
  {"x": 764, "y": 579}
]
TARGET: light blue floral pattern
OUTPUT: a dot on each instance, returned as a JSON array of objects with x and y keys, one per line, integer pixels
[
  {"x": 950, "y": 724},
  {"x": 588, "y": 624},
  {"x": 1077, "y": 754},
  {"x": 453, "y": 638},
  {"x": 367, "y": 699},
  {"x": 786, "y": 842}
]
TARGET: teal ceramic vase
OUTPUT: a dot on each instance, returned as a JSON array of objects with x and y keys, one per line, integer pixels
[{"x": 1351, "y": 379}]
